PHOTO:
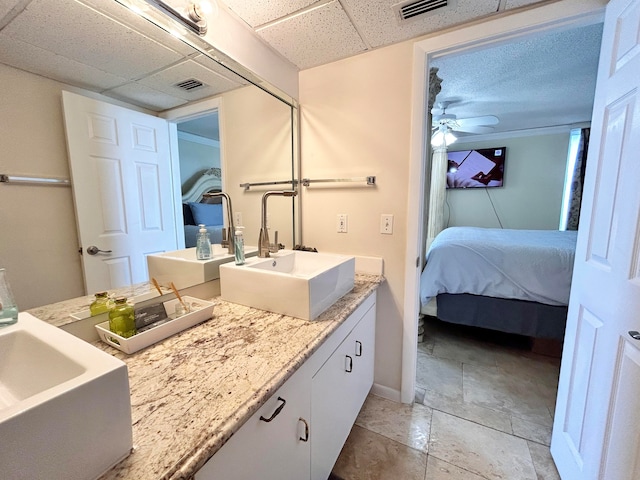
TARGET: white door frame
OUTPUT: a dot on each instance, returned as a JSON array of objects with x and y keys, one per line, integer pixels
[
  {"x": 174, "y": 117},
  {"x": 504, "y": 28}
]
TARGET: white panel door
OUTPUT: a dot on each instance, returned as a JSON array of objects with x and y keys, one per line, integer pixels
[
  {"x": 596, "y": 432},
  {"x": 122, "y": 185}
]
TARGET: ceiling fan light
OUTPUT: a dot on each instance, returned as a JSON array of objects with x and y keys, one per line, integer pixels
[{"x": 443, "y": 139}]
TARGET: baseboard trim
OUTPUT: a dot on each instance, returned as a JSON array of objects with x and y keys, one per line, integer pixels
[{"x": 386, "y": 392}]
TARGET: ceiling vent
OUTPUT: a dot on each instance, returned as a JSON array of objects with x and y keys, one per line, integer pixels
[
  {"x": 410, "y": 10},
  {"x": 190, "y": 85}
]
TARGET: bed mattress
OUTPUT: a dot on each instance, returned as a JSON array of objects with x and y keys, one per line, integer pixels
[{"x": 531, "y": 265}]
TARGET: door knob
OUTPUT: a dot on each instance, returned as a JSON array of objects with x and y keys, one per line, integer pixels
[
  {"x": 635, "y": 335},
  {"x": 93, "y": 250}
]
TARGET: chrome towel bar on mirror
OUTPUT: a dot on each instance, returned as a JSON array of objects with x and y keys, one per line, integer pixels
[
  {"x": 370, "y": 180},
  {"x": 19, "y": 179},
  {"x": 248, "y": 185}
]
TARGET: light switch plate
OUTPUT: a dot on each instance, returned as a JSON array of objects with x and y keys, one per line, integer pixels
[
  {"x": 386, "y": 224},
  {"x": 342, "y": 225}
]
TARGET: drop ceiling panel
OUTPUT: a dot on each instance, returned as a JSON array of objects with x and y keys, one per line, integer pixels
[
  {"x": 318, "y": 36},
  {"x": 127, "y": 17},
  {"x": 145, "y": 97},
  {"x": 259, "y": 12},
  {"x": 377, "y": 22},
  {"x": 47, "y": 64},
  {"x": 90, "y": 38},
  {"x": 165, "y": 81},
  {"x": 233, "y": 78}
]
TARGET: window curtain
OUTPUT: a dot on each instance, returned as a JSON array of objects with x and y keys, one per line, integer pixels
[
  {"x": 437, "y": 193},
  {"x": 438, "y": 183},
  {"x": 577, "y": 182}
]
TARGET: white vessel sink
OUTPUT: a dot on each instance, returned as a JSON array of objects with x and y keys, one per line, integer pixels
[
  {"x": 65, "y": 408},
  {"x": 184, "y": 269},
  {"x": 296, "y": 283}
]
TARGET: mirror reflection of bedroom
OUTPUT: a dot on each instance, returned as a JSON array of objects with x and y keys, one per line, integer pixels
[
  {"x": 200, "y": 172},
  {"x": 507, "y": 158}
]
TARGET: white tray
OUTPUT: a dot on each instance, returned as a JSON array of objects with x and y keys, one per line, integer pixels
[{"x": 201, "y": 311}]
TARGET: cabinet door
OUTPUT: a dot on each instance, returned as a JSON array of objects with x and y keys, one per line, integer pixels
[
  {"x": 338, "y": 391},
  {"x": 268, "y": 450}
]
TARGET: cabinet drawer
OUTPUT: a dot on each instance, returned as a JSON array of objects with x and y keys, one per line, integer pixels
[{"x": 268, "y": 449}]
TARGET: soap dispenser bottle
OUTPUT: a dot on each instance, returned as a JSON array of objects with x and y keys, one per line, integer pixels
[
  {"x": 203, "y": 244},
  {"x": 239, "y": 245}
]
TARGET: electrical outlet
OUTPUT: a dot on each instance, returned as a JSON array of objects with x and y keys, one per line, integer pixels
[
  {"x": 237, "y": 218},
  {"x": 386, "y": 224},
  {"x": 342, "y": 223}
]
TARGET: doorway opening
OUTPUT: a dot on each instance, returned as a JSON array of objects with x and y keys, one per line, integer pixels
[{"x": 505, "y": 29}]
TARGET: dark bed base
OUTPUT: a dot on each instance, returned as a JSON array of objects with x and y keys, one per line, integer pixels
[{"x": 505, "y": 315}]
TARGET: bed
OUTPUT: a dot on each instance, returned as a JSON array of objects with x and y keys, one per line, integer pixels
[
  {"x": 209, "y": 212},
  {"x": 514, "y": 281}
]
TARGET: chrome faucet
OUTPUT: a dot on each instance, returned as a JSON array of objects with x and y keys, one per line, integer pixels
[
  {"x": 229, "y": 232},
  {"x": 264, "y": 246}
]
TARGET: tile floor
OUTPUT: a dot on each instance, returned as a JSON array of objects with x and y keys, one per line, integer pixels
[{"x": 483, "y": 410}]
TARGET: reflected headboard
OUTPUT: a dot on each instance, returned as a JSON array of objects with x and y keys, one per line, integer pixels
[{"x": 208, "y": 181}]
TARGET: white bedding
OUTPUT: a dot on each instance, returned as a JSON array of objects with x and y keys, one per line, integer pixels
[{"x": 533, "y": 265}]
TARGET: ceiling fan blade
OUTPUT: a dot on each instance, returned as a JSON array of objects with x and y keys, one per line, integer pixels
[
  {"x": 473, "y": 129},
  {"x": 473, "y": 121}
]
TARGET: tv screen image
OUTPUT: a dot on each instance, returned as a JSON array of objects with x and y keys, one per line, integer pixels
[{"x": 480, "y": 168}]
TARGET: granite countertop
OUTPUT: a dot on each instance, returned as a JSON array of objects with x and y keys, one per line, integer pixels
[{"x": 191, "y": 392}]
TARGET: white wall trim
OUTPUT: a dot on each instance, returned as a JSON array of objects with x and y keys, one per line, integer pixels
[
  {"x": 386, "y": 392},
  {"x": 531, "y": 132},
  {"x": 190, "y": 137},
  {"x": 565, "y": 14}
]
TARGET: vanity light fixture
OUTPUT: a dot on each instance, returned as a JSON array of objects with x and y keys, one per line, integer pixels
[{"x": 193, "y": 17}]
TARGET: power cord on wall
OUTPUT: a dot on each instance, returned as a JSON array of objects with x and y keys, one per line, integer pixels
[
  {"x": 494, "y": 207},
  {"x": 446, "y": 200}
]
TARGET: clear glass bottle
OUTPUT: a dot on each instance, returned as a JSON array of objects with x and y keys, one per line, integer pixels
[
  {"x": 122, "y": 319},
  {"x": 238, "y": 238},
  {"x": 102, "y": 304},
  {"x": 8, "y": 307},
  {"x": 203, "y": 244}
]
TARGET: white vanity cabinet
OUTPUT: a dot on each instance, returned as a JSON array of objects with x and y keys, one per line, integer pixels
[
  {"x": 338, "y": 391},
  {"x": 319, "y": 405},
  {"x": 273, "y": 443}
]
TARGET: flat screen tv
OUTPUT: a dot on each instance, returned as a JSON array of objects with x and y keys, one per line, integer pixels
[{"x": 480, "y": 168}]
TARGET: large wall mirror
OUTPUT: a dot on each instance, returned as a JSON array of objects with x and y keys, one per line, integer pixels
[{"x": 233, "y": 127}]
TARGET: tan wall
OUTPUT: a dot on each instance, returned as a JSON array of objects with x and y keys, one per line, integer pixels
[
  {"x": 256, "y": 147},
  {"x": 38, "y": 237},
  {"x": 355, "y": 121},
  {"x": 534, "y": 171}
]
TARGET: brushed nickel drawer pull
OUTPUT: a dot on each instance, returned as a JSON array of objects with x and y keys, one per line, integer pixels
[
  {"x": 277, "y": 412},
  {"x": 306, "y": 430}
]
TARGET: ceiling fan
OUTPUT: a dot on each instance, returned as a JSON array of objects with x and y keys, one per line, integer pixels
[{"x": 447, "y": 122}]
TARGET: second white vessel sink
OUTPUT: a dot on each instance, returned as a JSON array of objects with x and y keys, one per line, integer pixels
[
  {"x": 65, "y": 407},
  {"x": 295, "y": 283},
  {"x": 184, "y": 269}
]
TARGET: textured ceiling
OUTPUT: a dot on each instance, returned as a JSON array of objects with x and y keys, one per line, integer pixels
[
  {"x": 310, "y": 33},
  {"x": 101, "y": 46},
  {"x": 546, "y": 80}
]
